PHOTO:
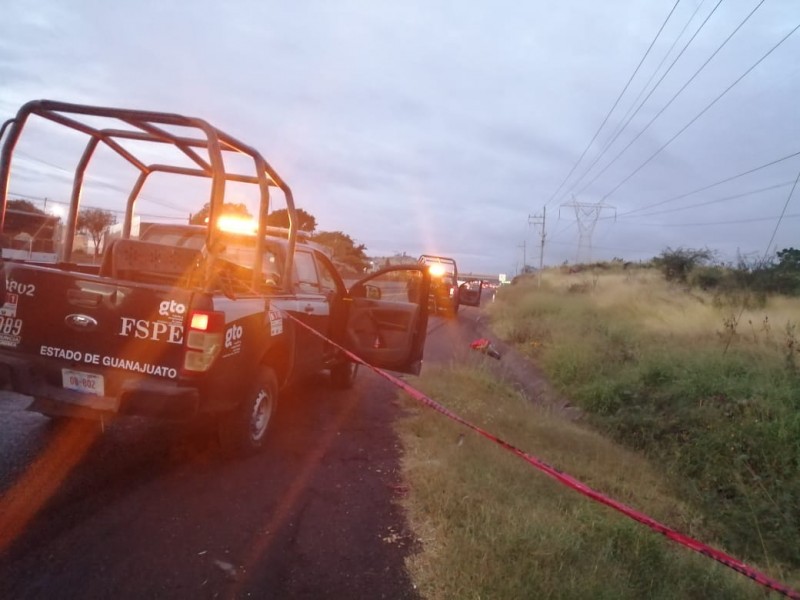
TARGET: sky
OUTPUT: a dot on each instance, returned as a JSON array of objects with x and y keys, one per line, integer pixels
[{"x": 457, "y": 127}]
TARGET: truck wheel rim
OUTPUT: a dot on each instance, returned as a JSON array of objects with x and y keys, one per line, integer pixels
[{"x": 259, "y": 419}]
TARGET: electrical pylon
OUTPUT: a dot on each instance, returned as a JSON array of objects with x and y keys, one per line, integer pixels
[{"x": 586, "y": 214}]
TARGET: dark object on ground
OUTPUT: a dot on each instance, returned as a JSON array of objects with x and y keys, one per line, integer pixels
[{"x": 485, "y": 346}]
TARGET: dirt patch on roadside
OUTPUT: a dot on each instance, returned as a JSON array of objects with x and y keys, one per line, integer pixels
[{"x": 524, "y": 374}]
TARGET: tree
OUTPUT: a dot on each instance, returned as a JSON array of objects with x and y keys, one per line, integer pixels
[
  {"x": 280, "y": 218},
  {"x": 677, "y": 264},
  {"x": 786, "y": 274},
  {"x": 95, "y": 222},
  {"x": 228, "y": 208},
  {"x": 789, "y": 260},
  {"x": 24, "y": 206},
  {"x": 344, "y": 249}
]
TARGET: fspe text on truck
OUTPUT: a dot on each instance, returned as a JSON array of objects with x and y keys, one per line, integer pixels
[{"x": 176, "y": 320}]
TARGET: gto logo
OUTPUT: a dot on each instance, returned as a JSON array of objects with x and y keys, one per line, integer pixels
[
  {"x": 158, "y": 331},
  {"x": 170, "y": 307},
  {"x": 233, "y": 335}
]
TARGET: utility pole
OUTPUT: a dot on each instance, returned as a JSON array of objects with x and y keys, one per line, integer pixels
[{"x": 540, "y": 220}]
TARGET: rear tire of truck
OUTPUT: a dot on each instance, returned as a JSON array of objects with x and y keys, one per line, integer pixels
[
  {"x": 243, "y": 431},
  {"x": 343, "y": 375}
]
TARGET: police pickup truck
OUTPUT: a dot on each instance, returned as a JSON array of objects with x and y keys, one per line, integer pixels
[
  {"x": 173, "y": 320},
  {"x": 447, "y": 294}
]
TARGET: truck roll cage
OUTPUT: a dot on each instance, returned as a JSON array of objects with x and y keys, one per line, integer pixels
[{"x": 148, "y": 126}]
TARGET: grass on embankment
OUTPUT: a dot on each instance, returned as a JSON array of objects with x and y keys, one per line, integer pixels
[
  {"x": 492, "y": 526},
  {"x": 708, "y": 391}
]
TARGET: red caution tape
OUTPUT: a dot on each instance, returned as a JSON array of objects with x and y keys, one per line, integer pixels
[{"x": 577, "y": 485}]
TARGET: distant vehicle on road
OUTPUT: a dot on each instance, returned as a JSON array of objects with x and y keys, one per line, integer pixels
[{"x": 446, "y": 295}]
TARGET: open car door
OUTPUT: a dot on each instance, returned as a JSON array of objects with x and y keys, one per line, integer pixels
[
  {"x": 387, "y": 318},
  {"x": 469, "y": 293}
]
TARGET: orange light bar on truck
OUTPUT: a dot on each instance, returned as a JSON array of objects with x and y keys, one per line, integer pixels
[
  {"x": 436, "y": 270},
  {"x": 237, "y": 224}
]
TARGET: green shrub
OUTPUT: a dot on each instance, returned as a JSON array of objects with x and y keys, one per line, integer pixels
[
  {"x": 716, "y": 407},
  {"x": 677, "y": 264},
  {"x": 707, "y": 278}
]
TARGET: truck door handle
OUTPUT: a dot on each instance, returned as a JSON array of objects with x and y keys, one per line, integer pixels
[
  {"x": 83, "y": 299},
  {"x": 308, "y": 308}
]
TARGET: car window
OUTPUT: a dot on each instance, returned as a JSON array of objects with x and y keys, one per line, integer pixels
[
  {"x": 306, "y": 278},
  {"x": 327, "y": 277},
  {"x": 195, "y": 240},
  {"x": 245, "y": 256},
  {"x": 168, "y": 239}
]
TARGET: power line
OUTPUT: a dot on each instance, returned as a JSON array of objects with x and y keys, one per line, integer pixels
[
  {"x": 711, "y": 223},
  {"x": 708, "y": 187},
  {"x": 641, "y": 249},
  {"x": 97, "y": 181},
  {"x": 701, "y": 113},
  {"x": 776, "y": 161},
  {"x": 680, "y": 91},
  {"x": 782, "y": 216},
  {"x": 674, "y": 62},
  {"x": 65, "y": 203},
  {"x": 28, "y": 197},
  {"x": 716, "y": 200},
  {"x": 616, "y": 102},
  {"x": 613, "y": 248},
  {"x": 620, "y": 127},
  {"x": 568, "y": 225},
  {"x": 40, "y": 160}
]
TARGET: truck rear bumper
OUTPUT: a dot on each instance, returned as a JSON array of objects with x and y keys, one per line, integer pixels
[{"x": 136, "y": 396}]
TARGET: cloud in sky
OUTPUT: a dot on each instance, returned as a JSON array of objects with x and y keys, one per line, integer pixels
[{"x": 440, "y": 127}]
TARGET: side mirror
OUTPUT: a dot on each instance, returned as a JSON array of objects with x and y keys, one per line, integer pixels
[{"x": 366, "y": 290}]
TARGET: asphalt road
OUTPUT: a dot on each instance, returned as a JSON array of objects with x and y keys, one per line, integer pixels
[{"x": 150, "y": 510}]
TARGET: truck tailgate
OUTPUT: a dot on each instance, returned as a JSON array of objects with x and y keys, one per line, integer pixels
[{"x": 86, "y": 333}]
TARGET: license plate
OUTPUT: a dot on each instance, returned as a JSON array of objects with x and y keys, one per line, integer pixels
[{"x": 88, "y": 383}]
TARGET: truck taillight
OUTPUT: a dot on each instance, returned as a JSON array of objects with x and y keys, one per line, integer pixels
[
  {"x": 203, "y": 340},
  {"x": 199, "y": 321}
]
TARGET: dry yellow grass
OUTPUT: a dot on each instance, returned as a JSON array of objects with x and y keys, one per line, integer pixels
[
  {"x": 704, "y": 387},
  {"x": 492, "y": 526},
  {"x": 648, "y": 301}
]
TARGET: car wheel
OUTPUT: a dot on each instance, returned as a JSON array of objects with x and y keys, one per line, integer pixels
[
  {"x": 243, "y": 431},
  {"x": 343, "y": 374}
]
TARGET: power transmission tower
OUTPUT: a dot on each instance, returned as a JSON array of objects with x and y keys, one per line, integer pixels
[
  {"x": 586, "y": 214},
  {"x": 540, "y": 220},
  {"x": 524, "y": 245}
]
